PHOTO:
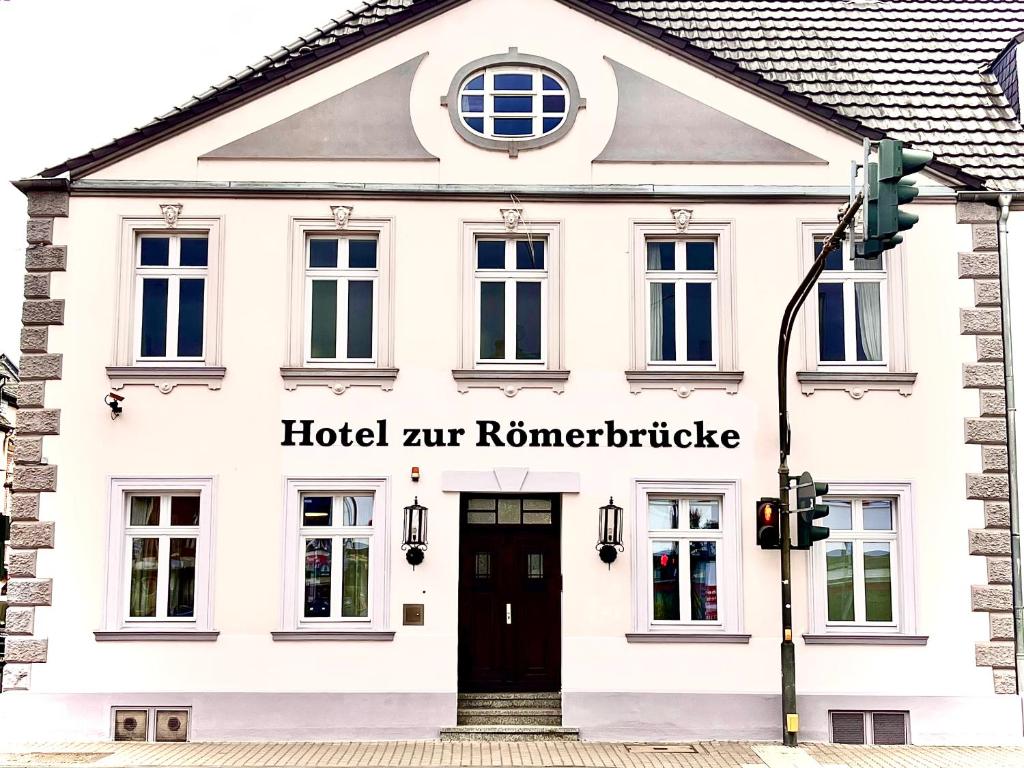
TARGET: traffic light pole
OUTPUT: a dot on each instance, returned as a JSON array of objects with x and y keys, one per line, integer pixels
[{"x": 790, "y": 721}]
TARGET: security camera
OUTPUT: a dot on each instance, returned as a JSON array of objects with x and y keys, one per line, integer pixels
[{"x": 114, "y": 401}]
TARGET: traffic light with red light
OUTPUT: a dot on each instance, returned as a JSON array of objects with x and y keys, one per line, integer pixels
[{"x": 768, "y": 523}]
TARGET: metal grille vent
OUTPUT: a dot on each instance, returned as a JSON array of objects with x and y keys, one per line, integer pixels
[
  {"x": 889, "y": 728},
  {"x": 172, "y": 725},
  {"x": 848, "y": 728},
  {"x": 131, "y": 724}
]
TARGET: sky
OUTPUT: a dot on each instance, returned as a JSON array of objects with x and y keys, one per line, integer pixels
[{"x": 78, "y": 73}]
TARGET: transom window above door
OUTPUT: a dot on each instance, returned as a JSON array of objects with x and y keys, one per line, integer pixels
[
  {"x": 342, "y": 277},
  {"x": 511, "y": 296}
]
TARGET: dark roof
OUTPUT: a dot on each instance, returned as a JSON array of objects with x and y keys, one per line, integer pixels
[{"x": 917, "y": 70}]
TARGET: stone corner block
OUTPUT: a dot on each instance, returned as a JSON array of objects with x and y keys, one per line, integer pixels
[
  {"x": 51, "y": 203},
  {"x": 1004, "y": 680},
  {"x": 984, "y": 237},
  {"x": 999, "y": 570},
  {"x": 1000, "y": 626},
  {"x": 25, "y": 506},
  {"x": 976, "y": 213},
  {"x": 22, "y": 564},
  {"x": 37, "y": 285},
  {"x": 979, "y": 264},
  {"x": 989, "y": 349},
  {"x": 51, "y": 312},
  {"x": 994, "y": 655},
  {"x": 985, "y": 431},
  {"x": 992, "y": 402},
  {"x": 975, "y": 321},
  {"x": 983, "y": 376},
  {"x": 986, "y": 293},
  {"x": 35, "y": 339},
  {"x": 29, "y": 591},
  {"x": 994, "y": 458},
  {"x": 42, "y": 367},
  {"x": 26, "y": 650},
  {"x": 54, "y": 258},
  {"x": 997, "y": 514},
  {"x": 29, "y": 477},
  {"x": 31, "y": 394},
  {"x": 41, "y": 421},
  {"x": 986, "y": 542},
  {"x": 995, "y": 487},
  {"x": 28, "y": 450},
  {"x": 16, "y": 677},
  {"x": 20, "y": 621},
  {"x": 991, "y": 597},
  {"x": 32, "y": 535},
  {"x": 39, "y": 231}
]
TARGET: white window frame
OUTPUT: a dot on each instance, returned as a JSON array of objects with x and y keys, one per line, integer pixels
[
  {"x": 341, "y": 276},
  {"x": 511, "y": 375},
  {"x": 894, "y": 309},
  {"x": 903, "y": 564},
  {"x": 128, "y": 309},
  {"x": 537, "y": 92},
  {"x": 729, "y": 561},
  {"x": 298, "y": 310},
  {"x": 292, "y": 618},
  {"x": 121, "y": 489}
]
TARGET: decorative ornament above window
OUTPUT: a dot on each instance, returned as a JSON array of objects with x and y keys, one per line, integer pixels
[
  {"x": 342, "y": 214},
  {"x": 513, "y": 101},
  {"x": 170, "y": 212}
]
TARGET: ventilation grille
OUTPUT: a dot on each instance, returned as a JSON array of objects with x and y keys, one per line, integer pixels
[
  {"x": 889, "y": 728},
  {"x": 131, "y": 724},
  {"x": 869, "y": 727},
  {"x": 172, "y": 725},
  {"x": 848, "y": 728}
]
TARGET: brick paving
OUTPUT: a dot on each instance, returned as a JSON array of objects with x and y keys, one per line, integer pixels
[{"x": 416, "y": 754}]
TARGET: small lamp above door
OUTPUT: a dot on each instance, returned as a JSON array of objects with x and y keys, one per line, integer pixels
[
  {"x": 609, "y": 532},
  {"x": 415, "y": 540}
]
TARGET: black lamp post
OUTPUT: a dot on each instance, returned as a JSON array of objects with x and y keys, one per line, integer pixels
[
  {"x": 609, "y": 532},
  {"x": 415, "y": 540}
]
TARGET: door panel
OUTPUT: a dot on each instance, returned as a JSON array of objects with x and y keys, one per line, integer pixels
[{"x": 509, "y": 563}]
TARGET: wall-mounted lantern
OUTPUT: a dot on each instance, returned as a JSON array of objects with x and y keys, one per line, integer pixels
[
  {"x": 415, "y": 532},
  {"x": 609, "y": 532}
]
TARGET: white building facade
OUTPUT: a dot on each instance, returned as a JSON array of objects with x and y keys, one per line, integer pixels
[{"x": 506, "y": 273}]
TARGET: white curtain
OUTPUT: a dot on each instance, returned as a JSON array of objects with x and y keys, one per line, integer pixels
[
  {"x": 869, "y": 319},
  {"x": 657, "y": 325}
]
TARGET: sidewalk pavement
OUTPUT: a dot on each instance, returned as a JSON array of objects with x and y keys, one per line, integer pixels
[{"x": 564, "y": 754}]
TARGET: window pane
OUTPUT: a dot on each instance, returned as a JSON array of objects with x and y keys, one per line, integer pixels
[
  {"x": 528, "y": 321},
  {"x": 323, "y": 254},
  {"x": 839, "y": 577},
  {"x": 513, "y": 82},
  {"x": 482, "y": 565},
  {"x": 536, "y": 518},
  {"x": 834, "y": 260},
  {"x": 550, "y": 123},
  {"x": 190, "y": 317},
  {"x": 508, "y": 511},
  {"x": 703, "y": 581},
  {"x": 513, "y": 104},
  {"x": 476, "y": 123},
  {"x": 663, "y": 321},
  {"x": 867, "y": 301},
  {"x": 535, "y": 565},
  {"x": 472, "y": 103},
  {"x": 490, "y": 254},
  {"x": 156, "y": 252},
  {"x": 663, "y": 514},
  {"x": 194, "y": 251},
  {"x": 554, "y": 103},
  {"x": 145, "y": 556},
  {"x": 698, "y": 321},
  {"x": 877, "y": 514},
  {"x": 154, "y": 318},
  {"x": 483, "y": 504},
  {"x": 317, "y": 578},
  {"x": 184, "y": 510},
  {"x": 360, "y": 319},
  {"x": 357, "y": 510},
  {"x": 513, "y": 126},
  {"x": 181, "y": 584},
  {"x": 480, "y": 518},
  {"x": 316, "y": 510},
  {"x": 492, "y": 321},
  {"x": 324, "y": 341},
  {"x": 362, "y": 254},
  {"x": 355, "y": 578},
  {"x": 661, "y": 256},
  {"x": 666, "y": 580},
  {"x": 878, "y": 581},
  {"x": 831, "y": 338},
  {"x": 840, "y": 515},
  {"x": 476, "y": 84},
  {"x": 700, "y": 256},
  {"x": 550, "y": 84},
  {"x": 536, "y": 504},
  {"x": 704, "y": 515},
  {"x": 145, "y": 510},
  {"x": 529, "y": 254}
]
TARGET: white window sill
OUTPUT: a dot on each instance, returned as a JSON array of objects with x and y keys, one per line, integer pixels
[
  {"x": 166, "y": 377},
  {"x": 159, "y": 635},
  {"x": 854, "y": 638},
  {"x": 686, "y": 637},
  {"x": 339, "y": 379},
  {"x": 365, "y": 635},
  {"x": 683, "y": 381},
  {"x": 510, "y": 381},
  {"x": 856, "y": 383}
]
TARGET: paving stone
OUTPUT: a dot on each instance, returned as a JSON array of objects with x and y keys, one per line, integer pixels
[
  {"x": 985, "y": 431},
  {"x": 32, "y": 535},
  {"x": 995, "y": 597}
]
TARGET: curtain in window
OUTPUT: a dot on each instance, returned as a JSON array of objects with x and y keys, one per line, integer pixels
[
  {"x": 869, "y": 321},
  {"x": 355, "y": 593},
  {"x": 657, "y": 326}
]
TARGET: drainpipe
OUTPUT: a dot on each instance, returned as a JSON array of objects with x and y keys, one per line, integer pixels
[{"x": 1011, "y": 437}]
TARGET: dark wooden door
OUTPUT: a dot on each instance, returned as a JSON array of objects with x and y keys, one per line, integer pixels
[{"x": 510, "y": 583}]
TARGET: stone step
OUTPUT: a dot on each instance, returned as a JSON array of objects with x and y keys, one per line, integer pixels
[
  {"x": 516, "y": 716},
  {"x": 509, "y": 733},
  {"x": 510, "y": 700}
]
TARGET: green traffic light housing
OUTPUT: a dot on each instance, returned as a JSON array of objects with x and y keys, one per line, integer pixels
[
  {"x": 887, "y": 190},
  {"x": 808, "y": 510}
]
